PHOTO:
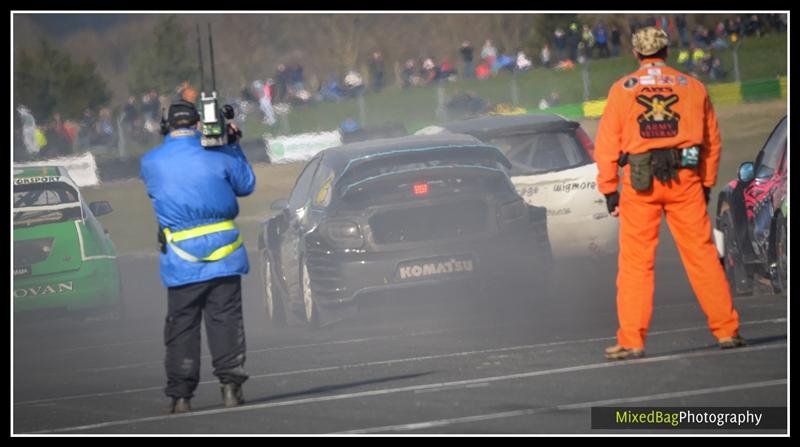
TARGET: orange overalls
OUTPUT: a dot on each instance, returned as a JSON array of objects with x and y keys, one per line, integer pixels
[{"x": 660, "y": 107}]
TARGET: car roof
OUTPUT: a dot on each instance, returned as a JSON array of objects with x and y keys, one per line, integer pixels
[
  {"x": 38, "y": 171},
  {"x": 496, "y": 125},
  {"x": 26, "y": 174},
  {"x": 341, "y": 158},
  {"x": 383, "y": 145}
]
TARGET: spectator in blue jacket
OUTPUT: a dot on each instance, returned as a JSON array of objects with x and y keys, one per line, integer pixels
[
  {"x": 193, "y": 190},
  {"x": 601, "y": 40}
]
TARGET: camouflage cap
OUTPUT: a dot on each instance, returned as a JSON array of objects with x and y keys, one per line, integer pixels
[{"x": 649, "y": 40}]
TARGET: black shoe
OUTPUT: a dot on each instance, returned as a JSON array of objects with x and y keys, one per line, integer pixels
[
  {"x": 731, "y": 342},
  {"x": 181, "y": 405},
  {"x": 232, "y": 395}
]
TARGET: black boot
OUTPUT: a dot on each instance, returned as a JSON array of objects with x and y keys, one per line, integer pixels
[
  {"x": 180, "y": 405},
  {"x": 232, "y": 395},
  {"x": 732, "y": 342}
]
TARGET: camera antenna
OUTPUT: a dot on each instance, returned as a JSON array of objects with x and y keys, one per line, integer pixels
[
  {"x": 200, "y": 58},
  {"x": 211, "y": 50}
]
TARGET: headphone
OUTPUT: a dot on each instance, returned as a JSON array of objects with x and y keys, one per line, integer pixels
[{"x": 165, "y": 124}]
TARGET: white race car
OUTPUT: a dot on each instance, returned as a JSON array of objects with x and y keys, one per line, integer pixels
[{"x": 552, "y": 166}]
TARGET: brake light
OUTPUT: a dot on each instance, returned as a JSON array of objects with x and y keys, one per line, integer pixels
[
  {"x": 585, "y": 141},
  {"x": 421, "y": 189}
]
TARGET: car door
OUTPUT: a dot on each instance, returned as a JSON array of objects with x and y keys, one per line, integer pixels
[
  {"x": 555, "y": 170},
  {"x": 760, "y": 192},
  {"x": 293, "y": 227}
]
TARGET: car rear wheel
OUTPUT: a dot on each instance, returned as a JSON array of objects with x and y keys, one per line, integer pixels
[
  {"x": 272, "y": 299},
  {"x": 739, "y": 278}
]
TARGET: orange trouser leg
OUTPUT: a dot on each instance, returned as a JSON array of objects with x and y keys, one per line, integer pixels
[
  {"x": 639, "y": 221},
  {"x": 687, "y": 216}
]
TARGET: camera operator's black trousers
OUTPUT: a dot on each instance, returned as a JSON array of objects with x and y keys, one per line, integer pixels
[{"x": 220, "y": 300}]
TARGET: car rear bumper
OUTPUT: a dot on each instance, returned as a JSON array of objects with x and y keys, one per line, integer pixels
[
  {"x": 95, "y": 285},
  {"x": 339, "y": 277},
  {"x": 583, "y": 236}
]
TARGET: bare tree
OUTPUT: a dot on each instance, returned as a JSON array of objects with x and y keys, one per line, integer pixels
[{"x": 343, "y": 32}]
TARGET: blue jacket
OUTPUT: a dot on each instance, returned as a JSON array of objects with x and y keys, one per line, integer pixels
[{"x": 192, "y": 186}]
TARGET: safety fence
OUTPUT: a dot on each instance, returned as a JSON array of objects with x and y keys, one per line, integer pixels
[
  {"x": 111, "y": 169},
  {"x": 721, "y": 94}
]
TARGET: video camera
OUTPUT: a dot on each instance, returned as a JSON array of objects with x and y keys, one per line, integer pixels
[
  {"x": 213, "y": 120},
  {"x": 214, "y": 128}
]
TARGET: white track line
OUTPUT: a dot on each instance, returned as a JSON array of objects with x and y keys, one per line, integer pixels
[
  {"x": 277, "y": 348},
  {"x": 150, "y": 340},
  {"x": 577, "y": 406},
  {"x": 414, "y": 388},
  {"x": 109, "y": 345},
  {"x": 284, "y": 348},
  {"x": 388, "y": 362}
]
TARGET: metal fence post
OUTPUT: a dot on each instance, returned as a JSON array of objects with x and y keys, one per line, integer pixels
[
  {"x": 585, "y": 77},
  {"x": 121, "y": 140},
  {"x": 362, "y": 110},
  {"x": 285, "y": 124},
  {"x": 441, "y": 114},
  {"x": 735, "y": 52},
  {"x": 514, "y": 90}
]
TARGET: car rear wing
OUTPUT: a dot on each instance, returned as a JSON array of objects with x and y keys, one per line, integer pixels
[
  {"x": 415, "y": 174},
  {"x": 469, "y": 151}
]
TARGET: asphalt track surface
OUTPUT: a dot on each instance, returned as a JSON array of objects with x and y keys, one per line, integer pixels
[{"x": 440, "y": 360}]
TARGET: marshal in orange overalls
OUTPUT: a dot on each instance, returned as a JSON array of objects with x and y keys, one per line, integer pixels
[{"x": 658, "y": 107}]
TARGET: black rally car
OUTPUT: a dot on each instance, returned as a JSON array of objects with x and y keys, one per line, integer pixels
[
  {"x": 396, "y": 213},
  {"x": 752, "y": 217}
]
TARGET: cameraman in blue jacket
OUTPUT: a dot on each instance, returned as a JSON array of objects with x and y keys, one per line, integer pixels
[{"x": 194, "y": 190}]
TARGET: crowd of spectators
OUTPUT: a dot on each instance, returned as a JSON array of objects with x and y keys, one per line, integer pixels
[
  {"x": 568, "y": 46},
  {"x": 137, "y": 120}
]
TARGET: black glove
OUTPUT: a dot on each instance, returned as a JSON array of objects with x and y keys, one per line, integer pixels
[
  {"x": 234, "y": 134},
  {"x": 707, "y": 193},
  {"x": 227, "y": 111},
  {"x": 612, "y": 201}
]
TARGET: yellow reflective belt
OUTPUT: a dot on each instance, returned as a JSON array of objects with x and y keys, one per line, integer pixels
[
  {"x": 202, "y": 231},
  {"x": 199, "y": 231}
]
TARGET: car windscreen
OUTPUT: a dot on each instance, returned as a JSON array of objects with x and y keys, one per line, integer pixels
[
  {"x": 41, "y": 203},
  {"x": 542, "y": 152},
  {"x": 458, "y": 169},
  {"x": 772, "y": 152}
]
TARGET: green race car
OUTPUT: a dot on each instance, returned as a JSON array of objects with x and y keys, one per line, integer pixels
[{"x": 64, "y": 260}]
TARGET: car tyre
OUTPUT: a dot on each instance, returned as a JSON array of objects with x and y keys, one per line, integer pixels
[
  {"x": 739, "y": 277},
  {"x": 273, "y": 302},
  {"x": 781, "y": 258},
  {"x": 310, "y": 306}
]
